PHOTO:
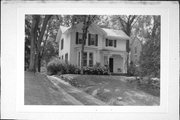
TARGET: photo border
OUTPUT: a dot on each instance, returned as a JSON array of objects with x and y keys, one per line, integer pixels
[{"x": 169, "y": 56}]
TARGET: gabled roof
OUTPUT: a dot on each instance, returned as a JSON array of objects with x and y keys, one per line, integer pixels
[
  {"x": 62, "y": 29},
  {"x": 116, "y": 33},
  {"x": 107, "y": 32}
]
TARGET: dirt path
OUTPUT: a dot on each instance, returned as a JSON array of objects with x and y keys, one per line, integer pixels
[{"x": 76, "y": 93}]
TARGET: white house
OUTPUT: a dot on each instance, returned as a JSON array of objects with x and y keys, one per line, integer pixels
[{"x": 104, "y": 46}]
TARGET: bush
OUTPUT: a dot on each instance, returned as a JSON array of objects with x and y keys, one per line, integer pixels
[
  {"x": 56, "y": 66},
  {"x": 133, "y": 70},
  {"x": 96, "y": 70}
]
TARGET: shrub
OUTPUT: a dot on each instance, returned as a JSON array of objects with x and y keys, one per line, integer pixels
[
  {"x": 57, "y": 66},
  {"x": 96, "y": 70},
  {"x": 133, "y": 70}
]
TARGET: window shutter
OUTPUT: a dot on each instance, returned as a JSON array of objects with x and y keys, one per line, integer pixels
[
  {"x": 96, "y": 40},
  {"x": 62, "y": 43},
  {"x": 114, "y": 43},
  {"x": 76, "y": 37},
  {"x": 89, "y": 38},
  {"x": 85, "y": 42},
  {"x": 106, "y": 42},
  {"x": 127, "y": 45}
]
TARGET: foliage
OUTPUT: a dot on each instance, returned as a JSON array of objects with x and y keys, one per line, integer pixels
[
  {"x": 96, "y": 70},
  {"x": 44, "y": 46},
  {"x": 150, "y": 57},
  {"x": 57, "y": 66},
  {"x": 28, "y": 22},
  {"x": 133, "y": 69}
]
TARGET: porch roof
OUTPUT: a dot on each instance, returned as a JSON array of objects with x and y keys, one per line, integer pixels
[{"x": 116, "y": 33}]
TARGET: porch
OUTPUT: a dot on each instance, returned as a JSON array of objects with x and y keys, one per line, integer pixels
[{"x": 115, "y": 60}]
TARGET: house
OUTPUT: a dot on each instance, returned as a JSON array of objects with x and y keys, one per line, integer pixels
[
  {"x": 136, "y": 48},
  {"x": 105, "y": 46}
]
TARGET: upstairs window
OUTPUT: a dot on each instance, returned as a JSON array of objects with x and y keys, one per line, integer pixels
[
  {"x": 93, "y": 39},
  {"x": 110, "y": 43},
  {"x": 79, "y": 38},
  {"x": 62, "y": 43}
]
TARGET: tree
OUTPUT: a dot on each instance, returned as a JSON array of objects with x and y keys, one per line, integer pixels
[
  {"x": 150, "y": 57},
  {"x": 28, "y": 21},
  {"x": 34, "y": 35},
  {"x": 87, "y": 20},
  {"x": 37, "y": 33},
  {"x": 125, "y": 23}
]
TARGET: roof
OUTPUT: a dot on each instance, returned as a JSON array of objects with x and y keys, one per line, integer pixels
[
  {"x": 116, "y": 33},
  {"x": 109, "y": 32},
  {"x": 63, "y": 28}
]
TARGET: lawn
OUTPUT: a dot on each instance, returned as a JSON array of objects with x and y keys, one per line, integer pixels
[
  {"x": 39, "y": 90},
  {"x": 113, "y": 90}
]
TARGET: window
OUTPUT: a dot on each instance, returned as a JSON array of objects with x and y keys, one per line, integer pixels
[
  {"x": 93, "y": 39},
  {"x": 90, "y": 59},
  {"x": 111, "y": 43},
  {"x": 62, "y": 57},
  {"x": 62, "y": 43},
  {"x": 66, "y": 57},
  {"x": 79, "y": 58},
  {"x": 85, "y": 59},
  {"x": 79, "y": 38}
]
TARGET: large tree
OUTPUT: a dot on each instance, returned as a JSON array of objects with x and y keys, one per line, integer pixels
[
  {"x": 125, "y": 23},
  {"x": 87, "y": 20},
  {"x": 38, "y": 29}
]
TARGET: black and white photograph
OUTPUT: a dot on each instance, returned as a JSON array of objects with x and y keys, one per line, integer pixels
[{"x": 92, "y": 60}]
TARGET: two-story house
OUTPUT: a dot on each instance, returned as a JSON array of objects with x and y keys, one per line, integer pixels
[{"x": 105, "y": 46}]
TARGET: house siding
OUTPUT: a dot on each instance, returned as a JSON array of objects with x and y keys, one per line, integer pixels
[
  {"x": 118, "y": 53},
  {"x": 66, "y": 46}
]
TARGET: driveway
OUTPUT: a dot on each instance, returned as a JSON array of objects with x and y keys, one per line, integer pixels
[{"x": 43, "y": 90}]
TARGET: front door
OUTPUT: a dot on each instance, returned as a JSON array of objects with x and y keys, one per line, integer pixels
[{"x": 111, "y": 64}]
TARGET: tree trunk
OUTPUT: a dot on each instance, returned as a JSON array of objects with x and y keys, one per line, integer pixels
[
  {"x": 85, "y": 28},
  {"x": 82, "y": 50},
  {"x": 34, "y": 28},
  {"x": 45, "y": 22}
]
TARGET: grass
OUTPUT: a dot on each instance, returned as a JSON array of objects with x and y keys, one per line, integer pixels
[
  {"x": 113, "y": 90},
  {"x": 40, "y": 91}
]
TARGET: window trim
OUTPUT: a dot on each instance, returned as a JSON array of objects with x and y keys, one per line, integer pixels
[
  {"x": 90, "y": 39},
  {"x": 114, "y": 43},
  {"x": 87, "y": 58}
]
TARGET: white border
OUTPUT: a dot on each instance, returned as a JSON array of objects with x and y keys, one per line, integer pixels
[
  {"x": 106, "y": 9},
  {"x": 168, "y": 56}
]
